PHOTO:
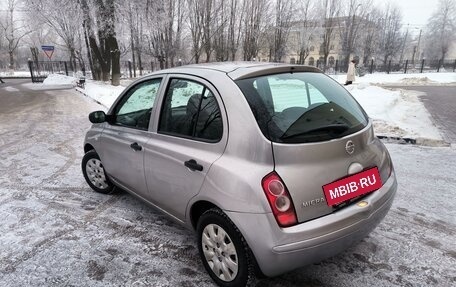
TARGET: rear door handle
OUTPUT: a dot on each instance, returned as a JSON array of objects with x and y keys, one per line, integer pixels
[
  {"x": 193, "y": 165},
  {"x": 136, "y": 146}
]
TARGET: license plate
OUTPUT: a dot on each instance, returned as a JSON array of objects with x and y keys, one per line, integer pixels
[{"x": 352, "y": 186}]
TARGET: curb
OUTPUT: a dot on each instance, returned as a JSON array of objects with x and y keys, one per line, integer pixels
[
  {"x": 400, "y": 140},
  {"x": 417, "y": 141},
  {"x": 82, "y": 91}
]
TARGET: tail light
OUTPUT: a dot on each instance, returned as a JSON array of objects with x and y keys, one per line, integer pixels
[{"x": 279, "y": 199}]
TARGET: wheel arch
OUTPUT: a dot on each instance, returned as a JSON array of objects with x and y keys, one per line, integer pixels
[
  {"x": 197, "y": 209},
  {"x": 88, "y": 147}
]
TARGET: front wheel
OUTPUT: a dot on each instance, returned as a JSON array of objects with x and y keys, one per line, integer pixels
[
  {"x": 94, "y": 173},
  {"x": 223, "y": 250}
]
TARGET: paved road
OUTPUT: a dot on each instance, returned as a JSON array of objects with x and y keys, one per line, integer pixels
[
  {"x": 56, "y": 232},
  {"x": 440, "y": 101}
]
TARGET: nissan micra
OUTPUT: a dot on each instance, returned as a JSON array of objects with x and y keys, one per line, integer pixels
[{"x": 274, "y": 166}]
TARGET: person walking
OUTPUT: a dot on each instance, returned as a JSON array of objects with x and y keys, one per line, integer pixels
[{"x": 350, "y": 73}]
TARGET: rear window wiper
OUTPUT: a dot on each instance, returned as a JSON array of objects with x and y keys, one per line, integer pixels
[{"x": 332, "y": 128}]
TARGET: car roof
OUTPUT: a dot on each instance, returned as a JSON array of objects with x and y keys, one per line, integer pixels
[{"x": 241, "y": 70}]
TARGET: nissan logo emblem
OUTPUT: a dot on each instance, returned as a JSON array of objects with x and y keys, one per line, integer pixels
[{"x": 350, "y": 147}]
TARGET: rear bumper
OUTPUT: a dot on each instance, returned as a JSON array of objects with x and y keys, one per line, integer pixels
[{"x": 279, "y": 250}]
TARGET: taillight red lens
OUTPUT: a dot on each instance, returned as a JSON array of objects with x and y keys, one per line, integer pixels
[{"x": 279, "y": 199}]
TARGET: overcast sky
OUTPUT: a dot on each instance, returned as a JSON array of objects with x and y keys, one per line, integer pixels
[{"x": 415, "y": 12}]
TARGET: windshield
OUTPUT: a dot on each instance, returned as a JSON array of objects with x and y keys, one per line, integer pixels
[{"x": 302, "y": 107}]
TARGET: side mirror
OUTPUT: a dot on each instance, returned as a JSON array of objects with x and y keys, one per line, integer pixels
[{"x": 97, "y": 117}]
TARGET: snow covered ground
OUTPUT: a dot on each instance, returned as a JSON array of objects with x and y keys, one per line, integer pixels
[
  {"x": 103, "y": 93},
  {"x": 55, "y": 231},
  {"x": 395, "y": 113},
  {"x": 403, "y": 79},
  {"x": 18, "y": 74}
]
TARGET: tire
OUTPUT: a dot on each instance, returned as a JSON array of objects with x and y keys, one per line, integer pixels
[
  {"x": 94, "y": 173},
  {"x": 218, "y": 263}
]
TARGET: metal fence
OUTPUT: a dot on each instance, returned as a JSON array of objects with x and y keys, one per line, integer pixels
[
  {"x": 403, "y": 67},
  {"x": 39, "y": 70},
  {"x": 130, "y": 70}
]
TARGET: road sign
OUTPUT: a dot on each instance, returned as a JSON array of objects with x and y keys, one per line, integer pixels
[{"x": 48, "y": 50}]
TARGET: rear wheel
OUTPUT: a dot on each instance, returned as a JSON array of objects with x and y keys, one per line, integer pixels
[
  {"x": 94, "y": 173},
  {"x": 223, "y": 250}
]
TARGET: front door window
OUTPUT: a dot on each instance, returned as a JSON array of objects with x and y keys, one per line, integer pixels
[{"x": 135, "y": 108}]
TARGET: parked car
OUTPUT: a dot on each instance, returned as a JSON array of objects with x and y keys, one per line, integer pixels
[{"x": 274, "y": 166}]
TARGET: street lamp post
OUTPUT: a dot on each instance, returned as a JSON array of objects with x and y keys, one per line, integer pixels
[{"x": 416, "y": 49}]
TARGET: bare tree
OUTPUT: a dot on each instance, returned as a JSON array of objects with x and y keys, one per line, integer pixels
[
  {"x": 164, "y": 39},
  {"x": 13, "y": 30},
  {"x": 369, "y": 34},
  {"x": 331, "y": 10},
  {"x": 195, "y": 22},
  {"x": 253, "y": 27},
  {"x": 283, "y": 13},
  {"x": 390, "y": 37},
  {"x": 350, "y": 25},
  {"x": 441, "y": 29},
  {"x": 220, "y": 30},
  {"x": 237, "y": 14},
  {"x": 207, "y": 13},
  {"x": 133, "y": 16},
  {"x": 104, "y": 48},
  {"x": 215, "y": 26},
  {"x": 66, "y": 23},
  {"x": 306, "y": 27},
  {"x": 38, "y": 37}
]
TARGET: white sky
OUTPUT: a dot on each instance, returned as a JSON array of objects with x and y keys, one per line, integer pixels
[{"x": 415, "y": 12}]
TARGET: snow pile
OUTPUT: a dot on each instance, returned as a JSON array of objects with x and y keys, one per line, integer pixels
[
  {"x": 397, "y": 113},
  {"x": 402, "y": 79},
  {"x": 56, "y": 79},
  {"x": 103, "y": 93},
  {"x": 53, "y": 82},
  {"x": 417, "y": 81}
]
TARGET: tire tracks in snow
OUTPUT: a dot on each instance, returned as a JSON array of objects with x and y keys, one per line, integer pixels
[{"x": 9, "y": 264}]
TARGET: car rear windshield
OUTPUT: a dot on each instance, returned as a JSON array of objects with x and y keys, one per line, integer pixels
[{"x": 302, "y": 107}]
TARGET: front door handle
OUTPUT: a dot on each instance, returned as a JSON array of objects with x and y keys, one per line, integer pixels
[
  {"x": 136, "y": 146},
  {"x": 193, "y": 165}
]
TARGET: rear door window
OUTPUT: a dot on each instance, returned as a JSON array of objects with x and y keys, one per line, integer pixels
[
  {"x": 302, "y": 107},
  {"x": 190, "y": 110}
]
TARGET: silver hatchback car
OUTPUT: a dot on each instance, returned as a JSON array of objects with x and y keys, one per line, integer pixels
[{"x": 275, "y": 166}]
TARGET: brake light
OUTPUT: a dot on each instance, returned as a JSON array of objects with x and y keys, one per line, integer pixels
[{"x": 279, "y": 199}]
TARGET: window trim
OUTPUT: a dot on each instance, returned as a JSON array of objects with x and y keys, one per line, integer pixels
[{"x": 162, "y": 106}]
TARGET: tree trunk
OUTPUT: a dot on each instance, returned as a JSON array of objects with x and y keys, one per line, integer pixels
[
  {"x": 115, "y": 60},
  {"x": 11, "y": 59},
  {"x": 89, "y": 54},
  {"x": 139, "y": 61}
]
